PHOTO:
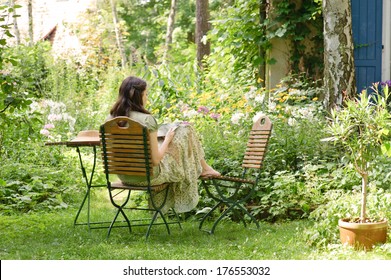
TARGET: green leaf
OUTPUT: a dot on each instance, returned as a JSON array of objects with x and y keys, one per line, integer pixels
[
  {"x": 386, "y": 149},
  {"x": 384, "y": 131},
  {"x": 280, "y": 32}
]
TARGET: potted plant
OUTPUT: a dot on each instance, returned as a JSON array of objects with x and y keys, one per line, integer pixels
[{"x": 363, "y": 128}]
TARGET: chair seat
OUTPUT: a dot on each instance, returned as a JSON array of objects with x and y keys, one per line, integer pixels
[{"x": 122, "y": 186}]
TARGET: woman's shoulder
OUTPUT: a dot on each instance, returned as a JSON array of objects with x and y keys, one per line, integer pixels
[{"x": 145, "y": 119}]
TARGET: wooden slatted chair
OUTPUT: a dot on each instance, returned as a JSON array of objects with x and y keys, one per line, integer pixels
[
  {"x": 232, "y": 193},
  {"x": 126, "y": 151}
]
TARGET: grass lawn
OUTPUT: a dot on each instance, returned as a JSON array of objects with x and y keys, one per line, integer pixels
[{"x": 52, "y": 236}]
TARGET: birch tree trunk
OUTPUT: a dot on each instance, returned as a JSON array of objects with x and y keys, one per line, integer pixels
[
  {"x": 118, "y": 36},
  {"x": 30, "y": 19},
  {"x": 170, "y": 28},
  {"x": 202, "y": 28},
  {"x": 339, "y": 71},
  {"x": 15, "y": 22}
]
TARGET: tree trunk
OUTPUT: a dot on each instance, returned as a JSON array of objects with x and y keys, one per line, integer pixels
[
  {"x": 15, "y": 22},
  {"x": 339, "y": 71},
  {"x": 170, "y": 28},
  {"x": 30, "y": 19},
  {"x": 118, "y": 36},
  {"x": 363, "y": 214},
  {"x": 262, "y": 52},
  {"x": 202, "y": 28}
]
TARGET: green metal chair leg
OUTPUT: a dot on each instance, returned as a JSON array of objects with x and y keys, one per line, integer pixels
[{"x": 207, "y": 215}]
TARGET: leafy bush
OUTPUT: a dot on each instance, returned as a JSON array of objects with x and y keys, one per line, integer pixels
[
  {"x": 342, "y": 204},
  {"x": 28, "y": 187}
]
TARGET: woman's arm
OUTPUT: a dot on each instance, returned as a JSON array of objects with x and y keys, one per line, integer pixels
[{"x": 158, "y": 152}]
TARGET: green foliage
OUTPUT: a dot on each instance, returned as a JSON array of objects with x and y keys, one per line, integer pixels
[
  {"x": 31, "y": 187},
  {"x": 287, "y": 195},
  {"x": 22, "y": 84},
  {"x": 240, "y": 33},
  {"x": 10, "y": 97},
  {"x": 32, "y": 176},
  {"x": 31, "y": 67},
  {"x": 343, "y": 205},
  {"x": 146, "y": 25},
  {"x": 362, "y": 128},
  {"x": 302, "y": 25},
  {"x": 237, "y": 31}
]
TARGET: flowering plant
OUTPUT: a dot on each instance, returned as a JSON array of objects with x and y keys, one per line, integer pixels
[{"x": 57, "y": 122}]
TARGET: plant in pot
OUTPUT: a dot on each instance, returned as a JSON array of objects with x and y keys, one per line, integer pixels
[{"x": 363, "y": 128}]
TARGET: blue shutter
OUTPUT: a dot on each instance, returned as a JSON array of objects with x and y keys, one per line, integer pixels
[{"x": 367, "y": 37}]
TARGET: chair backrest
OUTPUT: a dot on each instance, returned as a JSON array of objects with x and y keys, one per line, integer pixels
[
  {"x": 126, "y": 148},
  {"x": 257, "y": 143}
]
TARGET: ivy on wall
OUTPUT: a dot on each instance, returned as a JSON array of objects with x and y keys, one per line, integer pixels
[
  {"x": 300, "y": 22},
  {"x": 247, "y": 28}
]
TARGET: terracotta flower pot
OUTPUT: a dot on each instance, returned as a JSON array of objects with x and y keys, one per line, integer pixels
[{"x": 363, "y": 235}]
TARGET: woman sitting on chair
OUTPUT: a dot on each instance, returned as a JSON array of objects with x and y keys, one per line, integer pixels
[{"x": 178, "y": 160}]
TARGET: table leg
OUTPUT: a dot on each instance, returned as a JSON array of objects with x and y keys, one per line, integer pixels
[{"x": 88, "y": 183}]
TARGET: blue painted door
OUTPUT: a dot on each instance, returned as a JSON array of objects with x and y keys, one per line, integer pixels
[{"x": 367, "y": 37}]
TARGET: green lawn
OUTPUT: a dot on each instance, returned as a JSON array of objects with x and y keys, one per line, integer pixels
[{"x": 42, "y": 236}]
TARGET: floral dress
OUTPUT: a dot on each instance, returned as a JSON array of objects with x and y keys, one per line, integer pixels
[{"x": 180, "y": 166}]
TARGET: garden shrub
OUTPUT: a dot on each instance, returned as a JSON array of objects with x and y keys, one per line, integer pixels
[
  {"x": 29, "y": 187},
  {"x": 31, "y": 67},
  {"x": 344, "y": 204}
]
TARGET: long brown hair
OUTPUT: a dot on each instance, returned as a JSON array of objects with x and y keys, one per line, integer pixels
[{"x": 130, "y": 97}]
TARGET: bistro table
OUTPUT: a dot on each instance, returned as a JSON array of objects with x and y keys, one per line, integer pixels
[{"x": 86, "y": 138}]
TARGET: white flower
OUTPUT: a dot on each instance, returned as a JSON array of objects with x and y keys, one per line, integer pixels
[
  {"x": 48, "y": 126},
  {"x": 259, "y": 98},
  {"x": 291, "y": 121},
  {"x": 190, "y": 113},
  {"x": 272, "y": 106},
  {"x": 45, "y": 132},
  {"x": 34, "y": 106},
  {"x": 250, "y": 94},
  {"x": 257, "y": 116},
  {"x": 183, "y": 107},
  {"x": 289, "y": 110},
  {"x": 305, "y": 113},
  {"x": 294, "y": 91},
  {"x": 236, "y": 118},
  {"x": 54, "y": 117},
  {"x": 223, "y": 97}
]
